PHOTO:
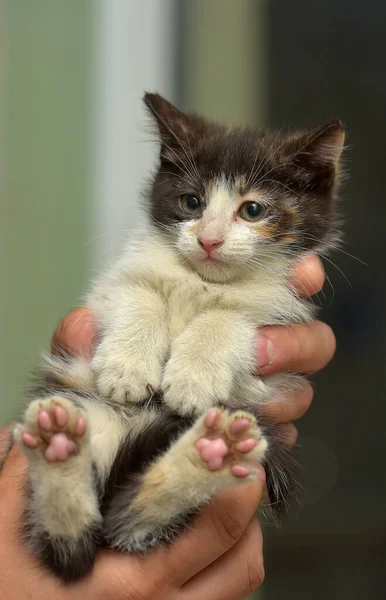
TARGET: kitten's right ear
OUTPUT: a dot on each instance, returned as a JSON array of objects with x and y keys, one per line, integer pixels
[{"x": 173, "y": 125}]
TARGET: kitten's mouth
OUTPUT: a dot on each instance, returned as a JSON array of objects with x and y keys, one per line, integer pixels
[{"x": 209, "y": 258}]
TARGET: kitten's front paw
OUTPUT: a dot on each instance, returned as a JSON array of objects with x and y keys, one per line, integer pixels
[
  {"x": 189, "y": 391},
  {"x": 53, "y": 429},
  {"x": 231, "y": 443},
  {"x": 124, "y": 377}
]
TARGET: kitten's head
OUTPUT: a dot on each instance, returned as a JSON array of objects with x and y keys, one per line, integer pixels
[{"x": 233, "y": 198}]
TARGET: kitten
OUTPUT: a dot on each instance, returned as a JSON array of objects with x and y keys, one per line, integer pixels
[{"x": 125, "y": 447}]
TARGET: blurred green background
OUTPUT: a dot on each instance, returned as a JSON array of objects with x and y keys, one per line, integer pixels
[
  {"x": 74, "y": 156},
  {"x": 46, "y": 60}
]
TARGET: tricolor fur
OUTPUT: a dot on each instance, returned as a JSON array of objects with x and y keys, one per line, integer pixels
[{"x": 177, "y": 317}]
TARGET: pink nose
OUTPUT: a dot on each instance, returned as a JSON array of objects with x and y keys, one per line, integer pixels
[{"x": 210, "y": 245}]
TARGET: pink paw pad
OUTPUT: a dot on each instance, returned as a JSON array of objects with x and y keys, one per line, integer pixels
[
  {"x": 230, "y": 441},
  {"x": 30, "y": 441},
  {"x": 80, "y": 426},
  {"x": 61, "y": 416},
  {"x": 60, "y": 448},
  {"x": 45, "y": 420},
  {"x": 212, "y": 452},
  {"x": 239, "y": 471},
  {"x": 211, "y": 418},
  {"x": 54, "y": 429},
  {"x": 240, "y": 425},
  {"x": 246, "y": 445}
]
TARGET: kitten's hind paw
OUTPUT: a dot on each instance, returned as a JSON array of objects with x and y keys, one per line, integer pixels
[
  {"x": 54, "y": 429},
  {"x": 231, "y": 442}
]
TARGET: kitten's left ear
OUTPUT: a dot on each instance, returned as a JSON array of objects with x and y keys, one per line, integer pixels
[
  {"x": 318, "y": 152},
  {"x": 175, "y": 127}
]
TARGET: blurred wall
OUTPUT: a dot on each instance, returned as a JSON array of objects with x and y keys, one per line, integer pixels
[
  {"x": 46, "y": 50},
  {"x": 222, "y": 73},
  {"x": 324, "y": 59},
  {"x": 135, "y": 51}
]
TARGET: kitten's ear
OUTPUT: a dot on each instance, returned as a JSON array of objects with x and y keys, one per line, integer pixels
[
  {"x": 174, "y": 126},
  {"x": 318, "y": 152},
  {"x": 326, "y": 143}
]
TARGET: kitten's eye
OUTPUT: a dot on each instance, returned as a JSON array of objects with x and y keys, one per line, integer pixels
[
  {"x": 191, "y": 204},
  {"x": 251, "y": 211}
]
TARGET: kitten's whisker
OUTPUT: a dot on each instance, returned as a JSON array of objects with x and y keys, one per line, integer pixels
[
  {"x": 338, "y": 269},
  {"x": 332, "y": 289}
]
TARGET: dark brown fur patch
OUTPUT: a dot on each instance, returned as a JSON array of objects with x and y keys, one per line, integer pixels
[{"x": 300, "y": 167}]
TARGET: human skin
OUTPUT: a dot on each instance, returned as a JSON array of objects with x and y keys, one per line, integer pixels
[{"x": 220, "y": 555}]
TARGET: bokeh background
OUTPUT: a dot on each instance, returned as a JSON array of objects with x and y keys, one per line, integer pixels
[{"x": 75, "y": 151}]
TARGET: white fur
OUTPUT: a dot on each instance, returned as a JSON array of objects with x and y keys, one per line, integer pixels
[{"x": 162, "y": 300}]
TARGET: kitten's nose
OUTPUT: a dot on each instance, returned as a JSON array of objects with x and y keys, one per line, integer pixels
[{"x": 209, "y": 244}]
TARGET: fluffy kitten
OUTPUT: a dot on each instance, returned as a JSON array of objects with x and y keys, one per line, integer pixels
[{"x": 124, "y": 448}]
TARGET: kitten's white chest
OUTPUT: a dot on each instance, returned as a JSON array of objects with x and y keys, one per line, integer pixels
[{"x": 186, "y": 299}]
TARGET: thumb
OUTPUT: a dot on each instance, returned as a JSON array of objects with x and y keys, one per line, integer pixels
[{"x": 75, "y": 334}]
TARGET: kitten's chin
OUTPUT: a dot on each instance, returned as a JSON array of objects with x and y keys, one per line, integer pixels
[{"x": 214, "y": 270}]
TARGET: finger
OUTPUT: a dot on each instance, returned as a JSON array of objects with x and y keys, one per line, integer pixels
[
  {"x": 308, "y": 276},
  {"x": 233, "y": 576},
  {"x": 291, "y": 405},
  {"x": 75, "y": 334},
  {"x": 12, "y": 480},
  {"x": 302, "y": 348},
  {"x": 214, "y": 531},
  {"x": 287, "y": 434}
]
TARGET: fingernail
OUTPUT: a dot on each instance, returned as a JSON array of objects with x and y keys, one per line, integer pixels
[{"x": 265, "y": 351}]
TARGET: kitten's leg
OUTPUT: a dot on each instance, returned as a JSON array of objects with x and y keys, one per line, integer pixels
[
  {"x": 219, "y": 450},
  {"x": 62, "y": 515},
  {"x": 215, "y": 347},
  {"x": 129, "y": 359}
]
